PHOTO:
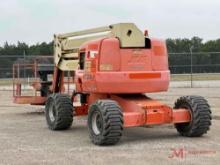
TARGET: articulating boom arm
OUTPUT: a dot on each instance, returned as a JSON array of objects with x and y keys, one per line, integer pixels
[{"x": 66, "y": 46}]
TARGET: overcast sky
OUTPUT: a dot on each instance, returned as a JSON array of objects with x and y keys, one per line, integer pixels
[{"x": 35, "y": 21}]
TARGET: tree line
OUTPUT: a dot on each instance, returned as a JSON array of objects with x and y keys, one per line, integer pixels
[
  {"x": 179, "y": 45},
  {"x": 178, "y": 49},
  {"x": 22, "y": 48},
  {"x": 205, "y": 57}
]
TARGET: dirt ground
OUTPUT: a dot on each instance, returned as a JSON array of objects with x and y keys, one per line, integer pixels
[{"x": 25, "y": 138}]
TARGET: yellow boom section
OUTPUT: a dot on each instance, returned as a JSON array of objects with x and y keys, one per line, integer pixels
[{"x": 66, "y": 46}]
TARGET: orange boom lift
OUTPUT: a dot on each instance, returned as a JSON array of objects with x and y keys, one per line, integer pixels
[{"x": 113, "y": 68}]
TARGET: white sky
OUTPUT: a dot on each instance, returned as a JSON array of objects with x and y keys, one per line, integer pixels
[{"x": 34, "y": 21}]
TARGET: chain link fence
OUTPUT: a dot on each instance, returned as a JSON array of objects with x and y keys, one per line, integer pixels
[
  {"x": 6, "y": 64},
  {"x": 191, "y": 66},
  {"x": 198, "y": 62}
]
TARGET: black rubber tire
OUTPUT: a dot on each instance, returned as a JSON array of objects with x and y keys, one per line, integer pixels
[
  {"x": 59, "y": 111},
  {"x": 200, "y": 116},
  {"x": 111, "y": 122}
]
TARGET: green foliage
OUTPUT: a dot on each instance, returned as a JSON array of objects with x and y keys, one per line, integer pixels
[
  {"x": 22, "y": 48},
  {"x": 203, "y": 59},
  {"x": 41, "y": 49},
  {"x": 183, "y": 45}
]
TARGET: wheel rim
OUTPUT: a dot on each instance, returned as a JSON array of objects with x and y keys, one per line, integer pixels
[
  {"x": 97, "y": 123},
  {"x": 52, "y": 113}
]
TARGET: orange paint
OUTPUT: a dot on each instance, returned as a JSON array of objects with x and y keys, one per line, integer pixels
[
  {"x": 144, "y": 75},
  {"x": 139, "y": 110},
  {"x": 114, "y": 71}
]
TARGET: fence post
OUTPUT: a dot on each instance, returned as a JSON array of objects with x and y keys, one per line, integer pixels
[{"x": 191, "y": 66}]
